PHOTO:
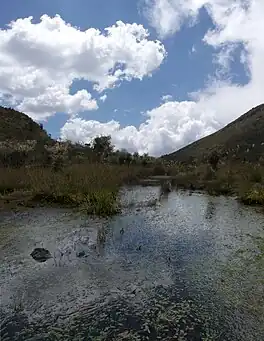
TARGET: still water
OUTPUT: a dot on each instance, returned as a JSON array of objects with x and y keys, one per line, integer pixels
[{"x": 188, "y": 268}]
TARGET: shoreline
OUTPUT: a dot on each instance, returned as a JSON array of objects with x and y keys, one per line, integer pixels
[{"x": 20, "y": 200}]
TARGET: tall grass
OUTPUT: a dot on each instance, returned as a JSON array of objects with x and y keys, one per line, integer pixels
[
  {"x": 253, "y": 195},
  {"x": 92, "y": 187},
  {"x": 246, "y": 181}
]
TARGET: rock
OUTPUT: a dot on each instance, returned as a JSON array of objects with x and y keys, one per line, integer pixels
[
  {"x": 152, "y": 202},
  {"x": 80, "y": 254},
  {"x": 41, "y": 255}
]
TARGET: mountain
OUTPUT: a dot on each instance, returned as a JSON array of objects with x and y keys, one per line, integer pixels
[
  {"x": 17, "y": 126},
  {"x": 242, "y": 140}
]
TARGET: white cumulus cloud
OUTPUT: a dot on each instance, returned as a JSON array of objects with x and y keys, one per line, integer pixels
[
  {"x": 165, "y": 129},
  {"x": 40, "y": 61},
  {"x": 103, "y": 98},
  {"x": 174, "y": 124},
  {"x": 167, "y": 16}
]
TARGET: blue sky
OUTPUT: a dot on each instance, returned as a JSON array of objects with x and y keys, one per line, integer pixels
[{"x": 217, "y": 68}]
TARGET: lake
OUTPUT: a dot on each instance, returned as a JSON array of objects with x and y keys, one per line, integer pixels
[{"x": 188, "y": 268}]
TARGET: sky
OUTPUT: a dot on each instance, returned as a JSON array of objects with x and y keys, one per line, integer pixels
[{"x": 156, "y": 75}]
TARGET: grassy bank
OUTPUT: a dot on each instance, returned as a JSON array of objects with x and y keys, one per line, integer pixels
[
  {"x": 90, "y": 187},
  {"x": 94, "y": 187},
  {"x": 245, "y": 181}
]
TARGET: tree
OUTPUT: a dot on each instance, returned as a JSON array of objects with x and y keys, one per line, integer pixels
[
  {"x": 129, "y": 159},
  {"x": 102, "y": 146},
  {"x": 124, "y": 157}
]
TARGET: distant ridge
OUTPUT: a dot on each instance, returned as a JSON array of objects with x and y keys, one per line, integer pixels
[
  {"x": 16, "y": 126},
  {"x": 241, "y": 140}
]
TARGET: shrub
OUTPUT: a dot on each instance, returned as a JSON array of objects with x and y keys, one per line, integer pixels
[
  {"x": 256, "y": 176},
  {"x": 159, "y": 170},
  {"x": 213, "y": 160},
  {"x": 101, "y": 203},
  {"x": 255, "y": 195}
]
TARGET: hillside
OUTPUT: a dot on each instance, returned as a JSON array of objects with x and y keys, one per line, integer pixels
[
  {"x": 242, "y": 140},
  {"x": 17, "y": 126}
]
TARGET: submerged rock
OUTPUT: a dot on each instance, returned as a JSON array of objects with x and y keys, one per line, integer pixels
[
  {"x": 80, "y": 254},
  {"x": 40, "y": 254},
  {"x": 152, "y": 202}
]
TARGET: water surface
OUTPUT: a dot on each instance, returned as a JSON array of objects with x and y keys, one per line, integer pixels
[{"x": 188, "y": 268}]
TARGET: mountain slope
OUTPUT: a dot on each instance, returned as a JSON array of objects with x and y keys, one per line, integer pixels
[
  {"x": 242, "y": 139},
  {"x": 17, "y": 126}
]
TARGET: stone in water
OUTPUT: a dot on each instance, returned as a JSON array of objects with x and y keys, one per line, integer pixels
[{"x": 40, "y": 255}]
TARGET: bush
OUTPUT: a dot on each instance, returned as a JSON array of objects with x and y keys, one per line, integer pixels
[
  {"x": 58, "y": 164},
  {"x": 256, "y": 176},
  {"x": 214, "y": 159},
  {"x": 218, "y": 187},
  {"x": 159, "y": 170},
  {"x": 208, "y": 174},
  {"x": 253, "y": 196},
  {"x": 101, "y": 203}
]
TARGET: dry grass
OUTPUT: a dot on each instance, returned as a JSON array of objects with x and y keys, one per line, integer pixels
[
  {"x": 94, "y": 187},
  {"x": 91, "y": 187}
]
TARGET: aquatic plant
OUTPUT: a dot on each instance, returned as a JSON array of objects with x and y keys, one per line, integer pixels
[
  {"x": 255, "y": 195},
  {"x": 101, "y": 203}
]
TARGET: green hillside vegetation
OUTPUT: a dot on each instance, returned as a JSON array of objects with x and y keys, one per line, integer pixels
[
  {"x": 230, "y": 161},
  {"x": 16, "y": 126},
  {"x": 241, "y": 140}
]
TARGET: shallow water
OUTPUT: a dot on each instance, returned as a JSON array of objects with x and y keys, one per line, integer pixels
[{"x": 188, "y": 268}]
